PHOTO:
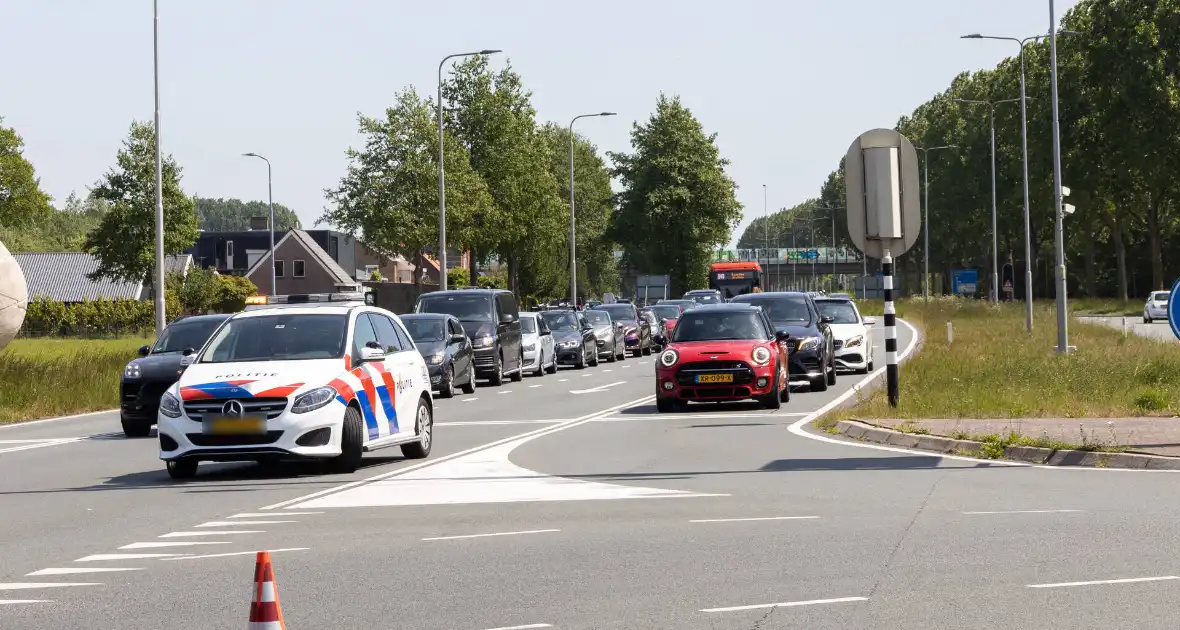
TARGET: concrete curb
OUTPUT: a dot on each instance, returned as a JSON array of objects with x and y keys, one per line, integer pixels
[{"x": 1031, "y": 454}]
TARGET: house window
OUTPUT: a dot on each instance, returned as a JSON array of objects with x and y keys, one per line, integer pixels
[
  {"x": 278, "y": 269},
  {"x": 297, "y": 268}
]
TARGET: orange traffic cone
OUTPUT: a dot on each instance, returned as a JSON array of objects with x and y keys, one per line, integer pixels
[{"x": 265, "y": 613}]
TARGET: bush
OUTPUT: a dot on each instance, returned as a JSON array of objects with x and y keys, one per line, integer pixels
[{"x": 458, "y": 277}]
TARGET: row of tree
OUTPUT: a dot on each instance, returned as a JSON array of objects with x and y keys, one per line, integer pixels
[{"x": 1120, "y": 139}]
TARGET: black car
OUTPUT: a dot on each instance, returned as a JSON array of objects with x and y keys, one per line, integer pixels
[
  {"x": 811, "y": 346},
  {"x": 636, "y": 330},
  {"x": 491, "y": 319},
  {"x": 609, "y": 336},
  {"x": 705, "y": 296},
  {"x": 147, "y": 378},
  {"x": 445, "y": 348},
  {"x": 573, "y": 338}
]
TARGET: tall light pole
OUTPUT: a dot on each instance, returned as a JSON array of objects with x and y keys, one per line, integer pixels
[
  {"x": 161, "y": 312},
  {"x": 1059, "y": 227},
  {"x": 442, "y": 181},
  {"x": 1028, "y": 283},
  {"x": 766, "y": 227},
  {"x": 270, "y": 204},
  {"x": 926, "y": 218},
  {"x": 833, "y": 211},
  {"x": 573, "y": 259},
  {"x": 991, "y": 106}
]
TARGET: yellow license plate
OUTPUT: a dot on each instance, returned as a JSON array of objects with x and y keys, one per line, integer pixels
[
  {"x": 715, "y": 378},
  {"x": 244, "y": 425}
]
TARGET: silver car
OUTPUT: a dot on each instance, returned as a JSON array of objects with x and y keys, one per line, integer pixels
[
  {"x": 611, "y": 343},
  {"x": 1156, "y": 306}
]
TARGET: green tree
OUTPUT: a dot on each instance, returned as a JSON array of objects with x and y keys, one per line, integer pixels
[
  {"x": 458, "y": 277},
  {"x": 124, "y": 241},
  {"x": 233, "y": 215},
  {"x": 61, "y": 230},
  {"x": 492, "y": 114},
  {"x": 677, "y": 202},
  {"x": 21, "y": 199},
  {"x": 390, "y": 191}
]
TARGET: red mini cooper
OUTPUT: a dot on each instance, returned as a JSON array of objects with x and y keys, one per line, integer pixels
[{"x": 723, "y": 352}]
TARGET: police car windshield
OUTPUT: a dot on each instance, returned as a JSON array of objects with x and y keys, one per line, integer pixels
[
  {"x": 840, "y": 312},
  {"x": 183, "y": 335},
  {"x": 559, "y": 320},
  {"x": 425, "y": 329},
  {"x": 469, "y": 308},
  {"x": 280, "y": 337},
  {"x": 714, "y": 326}
]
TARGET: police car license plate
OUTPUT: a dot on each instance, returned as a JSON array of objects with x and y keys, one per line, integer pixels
[
  {"x": 714, "y": 378},
  {"x": 234, "y": 425}
]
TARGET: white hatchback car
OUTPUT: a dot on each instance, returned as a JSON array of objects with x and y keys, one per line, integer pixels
[
  {"x": 1156, "y": 306},
  {"x": 851, "y": 334},
  {"x": 323, "y": 379},
  {"x": 540, "y": 354}
]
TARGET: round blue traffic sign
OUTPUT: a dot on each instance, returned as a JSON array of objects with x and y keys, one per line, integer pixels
[{"x": 1174, "y": 309}]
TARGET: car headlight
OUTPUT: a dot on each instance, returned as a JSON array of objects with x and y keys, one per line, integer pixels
[
  {"x": 314, "y": 399},
  {"x": 761, "y": 355},
  {"x": 568, "y": 344},
  {"x": 434, "y": 359},
  {"x": 169, "y": 405},
  {"x": 132, "y": 371},
  {"x": 669, "y": 357},
  {"x": 855, "y": 341},
  {"x": 482, "y": 342},
  {"x": 808, "y": 343},
  {"x": 530, "y": 347}
]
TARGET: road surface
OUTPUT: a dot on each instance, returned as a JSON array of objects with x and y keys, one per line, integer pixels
[
  {"x": 568, "y": 502},
  {"x": 1158, "y": 329}
]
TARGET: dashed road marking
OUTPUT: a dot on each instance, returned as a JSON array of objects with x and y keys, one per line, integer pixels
[
  {"x": 237, "y": 523},
  {"x": 274, "y": 514},
  {"x": 107, "y": 557},
  {"x": 625, "y": 367},
  {"x": 757, "y": 518},
  {"x": 531, "y": 531},
  {"x": 9, "y": 602},
  {"x": 535, "y": 386},
  {"x": 1026, "y": 512},
  {"x": 506, "y": 391},
  {"x": 220, "y": 532},
  {"x": 22, "y": 586},
  {"x": 237, "y": 553},
  {"x": 810, "y": 602},
  {"x": 472, "y": 399},
  {"x": 76, "y": 570},
  {"x": 525, "y": 627},
  {"x": 562, "y": 380},
  {"x": 1100, "y": 582},
  {"x": 187, "y": 543}
]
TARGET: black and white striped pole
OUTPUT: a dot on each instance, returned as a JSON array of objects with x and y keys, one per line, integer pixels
[
  {"x": 884, "y": 217},
  {"x": 890, "y": 331}
]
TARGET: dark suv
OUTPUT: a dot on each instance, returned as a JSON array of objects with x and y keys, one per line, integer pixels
[
  {"x": 811, "y": 347},
  {"x": 491, "y": 319}
]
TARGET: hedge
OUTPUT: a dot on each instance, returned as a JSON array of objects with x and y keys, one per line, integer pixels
[{"x": 88, "y": 318}]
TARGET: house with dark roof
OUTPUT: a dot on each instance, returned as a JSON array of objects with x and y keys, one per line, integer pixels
[
  {"x": 62, "y": 277},
  {"x": 300, "y": 266}
]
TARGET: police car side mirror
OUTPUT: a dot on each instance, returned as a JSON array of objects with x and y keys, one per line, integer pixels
[{"x": 372, "y": 354}]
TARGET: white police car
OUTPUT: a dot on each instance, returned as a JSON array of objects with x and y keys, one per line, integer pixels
[{"x": 310, "y": 376}]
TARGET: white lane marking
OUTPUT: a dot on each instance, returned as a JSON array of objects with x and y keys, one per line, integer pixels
[
  {"x": 693, "y": 416},
  {"x": 593, "y": 390},
  {"x": 525, "y": 627},
  {"x": 273, "y": 514},
  {"x": 220, "y": 532},
  {"x": 236, "y": 523},
  {"x": 530, "y": 531},
  {"x": 471, "y": 451},
  {"x": 562, "y": 380},
  {"x": 1028, "y": 512},
  {"x": 44, "y": 420},
  {"x": 74, "y": 570},
  {"x": 626, "y": 367},
  {"x": 1097, "y": 582},
  {"x": 107, "y": 557},
  {"x": 237, "y": 553},
  {"x": 9, "y": 602},
  {"x": 22, "y": 586},
  {"x": 587, "y": 375},
  {"x": 607, "y": 370},
  {"x": 535, "y": 386},
  {"x": 506, "y": 391},
  {"x": 757, "y": 518},
  {"x": 41, "y": 444},
  {"x": 810, "y": 602},
  {"x": 155, "y": 545},
  {"x": 472, "y": 423},
  {"x": 472, "y": 399}
]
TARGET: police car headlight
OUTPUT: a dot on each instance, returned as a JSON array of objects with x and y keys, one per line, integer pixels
[
  {"x": 855, "y": 341},
  {"x": 434, "y": 359},
  {"x": 482, "y": 342},
  {"x": 169, "y": 405},
  {"x": 669, "y": 358},
  {"x": 761, "y": 355},
  {"x": 314, "y": 399},
  {"x": 808, "y": 343},
  {"x": 132, "y": 371}
]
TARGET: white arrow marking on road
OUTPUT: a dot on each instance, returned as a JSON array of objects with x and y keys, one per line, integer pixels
[
  {"x": 105, "y": 557},
  {"x": 237, "y": 523},
  {"x": 20, "y": 586},
  {"x": 224, "y": 532},
  {"x": 592, "y": 390},
  {"x": 73, "y": 570},
  {"x": 237, "y": 553},
  {"x": 154, "y": 545}
]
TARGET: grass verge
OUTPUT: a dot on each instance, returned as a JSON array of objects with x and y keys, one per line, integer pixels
[
  {"x": 993, "y": 444},
  {"x": 994, "y": 369},
  {"x": 43, "y": 378}
]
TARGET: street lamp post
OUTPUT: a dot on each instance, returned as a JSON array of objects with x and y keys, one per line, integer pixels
[
  {"x": 926, "y": 219},
  {"x": 1028, "y": 283},
  {"x": 573, "y": 259},
  {"x": 1059, "y": 227},
  {"x": 161, "y": 309},
  {"x": 766, "y": 228},
  {"x": 442, "y": 182},
  {"x": 991, "y": 106},
  {"x": 270, "y": 204},
  {"x": 833, "y": 252}
]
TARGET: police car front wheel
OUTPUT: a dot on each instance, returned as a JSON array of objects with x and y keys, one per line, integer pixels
[
  {"x": 182, "y": 468},
  {"x": 351, "y": 443}
]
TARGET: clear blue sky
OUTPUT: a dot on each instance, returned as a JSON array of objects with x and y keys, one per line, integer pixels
[{"x": 786, "y": 85}]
